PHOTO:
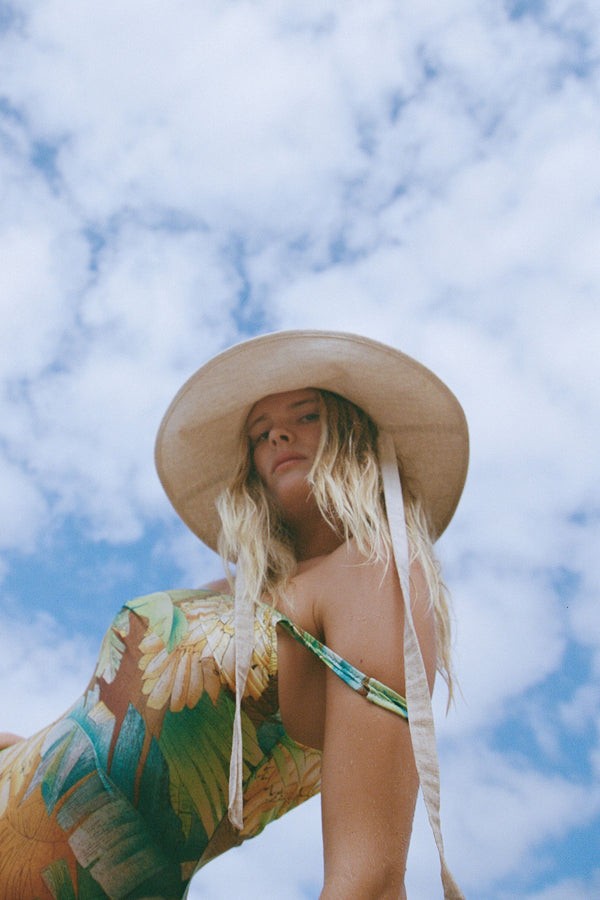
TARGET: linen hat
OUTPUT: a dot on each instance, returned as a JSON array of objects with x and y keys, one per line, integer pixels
[{"x": 198, "y": 439}]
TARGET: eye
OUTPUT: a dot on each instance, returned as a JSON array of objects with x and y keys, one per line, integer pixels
[
  {"x": 311, "y": 417},
  {"x": 259, "y": 438}
]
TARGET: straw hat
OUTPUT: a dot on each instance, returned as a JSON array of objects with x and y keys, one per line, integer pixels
[{"x": 198, "y": 440}]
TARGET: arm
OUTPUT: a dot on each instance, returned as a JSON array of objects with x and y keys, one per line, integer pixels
[{"x": 369, "y": 780}]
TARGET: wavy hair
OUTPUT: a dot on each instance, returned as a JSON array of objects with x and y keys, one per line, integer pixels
[{"x": 347, "y": 485}]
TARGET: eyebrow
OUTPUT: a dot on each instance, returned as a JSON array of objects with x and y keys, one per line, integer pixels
[{"x": 291, "y": 406}]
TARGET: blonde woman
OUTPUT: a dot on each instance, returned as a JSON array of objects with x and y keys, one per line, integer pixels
[{"x": 214, "y": 711}]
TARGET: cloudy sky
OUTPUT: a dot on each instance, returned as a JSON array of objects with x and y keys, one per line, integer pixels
[{"x": 175, "y": 177}]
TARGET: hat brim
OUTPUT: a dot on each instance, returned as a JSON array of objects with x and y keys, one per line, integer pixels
[{"x": 198, "y": 439}]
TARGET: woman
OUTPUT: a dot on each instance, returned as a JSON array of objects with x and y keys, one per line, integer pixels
[{"x": 212, "y": 712}]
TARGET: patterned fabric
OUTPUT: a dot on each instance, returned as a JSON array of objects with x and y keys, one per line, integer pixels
[
  {"x": 373, "y": 690},
  {"x": 126, "y": 795}
]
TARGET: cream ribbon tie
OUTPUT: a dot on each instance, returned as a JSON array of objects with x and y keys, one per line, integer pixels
[
  {"x": 418, "y": 700},
  {"x": 243, "y": 623}
]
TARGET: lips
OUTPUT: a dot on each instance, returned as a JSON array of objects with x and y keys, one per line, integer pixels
[{"x": 286, "y": 457}]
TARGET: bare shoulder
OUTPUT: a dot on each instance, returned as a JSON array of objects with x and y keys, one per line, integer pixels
[
  {"x": 358, "y": 610},
  {"x": 220, "y": 586},
  {"x": 347, "y": 582},
  {"x": 7, "y": 739}
]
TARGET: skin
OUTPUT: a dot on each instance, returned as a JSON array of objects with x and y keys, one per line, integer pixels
[
  {"x": 369, "y": 782},
  {"x": 284, "y": 432}
]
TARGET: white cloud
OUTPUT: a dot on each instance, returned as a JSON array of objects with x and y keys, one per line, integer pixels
[
  {"x": 569, "y": 889},
  {"x": 43, "y": 669},
  {"x": 158, "y": 306},
  {"x": 284, "y": 861},
  {"x": 428, "y": 177},
  {"x": 583, "y": 712},
  {"x": 43, "y": 266},
  {"x": 512, "y": 807},
  {"x": 509, "y": 639},
  {"x": 25, "y": 509}
]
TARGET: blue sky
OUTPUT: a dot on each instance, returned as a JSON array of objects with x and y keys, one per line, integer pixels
[{"x": 174, "y": 178}]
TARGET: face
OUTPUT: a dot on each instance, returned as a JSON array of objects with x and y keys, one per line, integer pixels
[{"x": 284, "y": 432}]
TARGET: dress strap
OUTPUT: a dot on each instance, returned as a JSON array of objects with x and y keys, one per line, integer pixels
[{"x": 373, "y": 690}]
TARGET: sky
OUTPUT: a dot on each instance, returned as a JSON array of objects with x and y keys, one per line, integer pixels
[{"x": 176, "y": 177}]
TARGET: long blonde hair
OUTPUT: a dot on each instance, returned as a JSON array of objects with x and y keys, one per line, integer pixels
[{"x": 347, "y": 485}]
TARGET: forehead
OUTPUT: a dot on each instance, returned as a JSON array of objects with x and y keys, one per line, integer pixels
[{"x": 275, "y": 404}]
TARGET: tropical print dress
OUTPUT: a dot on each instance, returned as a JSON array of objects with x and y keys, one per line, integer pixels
[{"x": 126, "y": 795}]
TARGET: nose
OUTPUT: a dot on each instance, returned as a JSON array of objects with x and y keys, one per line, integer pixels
[{"x": 279, "y": 435}]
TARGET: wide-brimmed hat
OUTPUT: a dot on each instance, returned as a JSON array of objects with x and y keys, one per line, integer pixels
[{"x": 198, "y": 440}]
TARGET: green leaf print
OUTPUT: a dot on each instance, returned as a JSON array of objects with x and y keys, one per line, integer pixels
[{"x": 164, "y": 619}]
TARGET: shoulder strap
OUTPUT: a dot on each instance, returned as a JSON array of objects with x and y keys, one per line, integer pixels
[{"x": 373, "y": 690}]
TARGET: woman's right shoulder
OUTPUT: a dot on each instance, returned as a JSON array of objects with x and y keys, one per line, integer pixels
[
  {"x": 7, "y": 739},
  {"x": 220, "y": 586}
]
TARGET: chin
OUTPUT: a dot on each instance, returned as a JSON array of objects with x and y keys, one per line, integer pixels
[{"x": 294, "y": 501}]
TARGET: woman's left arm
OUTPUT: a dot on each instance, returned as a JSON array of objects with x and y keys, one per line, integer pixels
[{"x": 369, "y": 780}]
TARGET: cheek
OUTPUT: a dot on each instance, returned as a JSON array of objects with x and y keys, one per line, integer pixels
[
  {"x": 315, "y": 438},
  {"x": 258, "y": 457}
]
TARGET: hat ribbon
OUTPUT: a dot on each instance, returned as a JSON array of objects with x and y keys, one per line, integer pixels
[
  {"x": 418, "y": 699},
  {"x": 243, "y": 622}
]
